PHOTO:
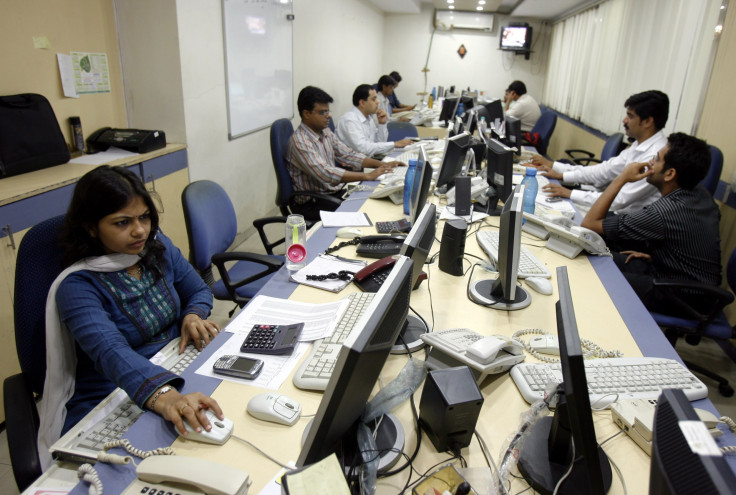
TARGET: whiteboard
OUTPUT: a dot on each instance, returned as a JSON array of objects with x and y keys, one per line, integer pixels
[{"x": 258, "y": 63}]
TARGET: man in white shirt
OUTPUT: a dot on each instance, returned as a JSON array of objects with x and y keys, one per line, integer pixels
[
  {"x": 358, "y": 129},
  {"x": 522, "y": 106},
  {"x": 646, "y": 116}
]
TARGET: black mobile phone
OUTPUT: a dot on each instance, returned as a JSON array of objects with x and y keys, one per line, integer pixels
[{"x": 238, "y": 366}]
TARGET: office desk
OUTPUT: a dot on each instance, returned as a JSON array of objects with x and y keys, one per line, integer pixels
[{"x": 598, "y": 318}]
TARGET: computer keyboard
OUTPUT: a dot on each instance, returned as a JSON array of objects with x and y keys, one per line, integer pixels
[
  {"x": 316, "y": 370},
  {"x": 613, "y": 379},
  {"x": 88, "y": 438},
  {"x": 529, "y": 265}
]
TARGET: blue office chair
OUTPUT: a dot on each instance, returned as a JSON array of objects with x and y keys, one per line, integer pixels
[
  {"x": 712, "y": 324},
  {"x": 544, "y": 127},
  {"x": 37, "y": 265},
  {"x": 710, "y": 182},
  {"x": 211, "y": 227},
  {"x": 614, "y": 145},
  {"x": 331, "y": 124},
  {"x": 399, "y": 130},
  {"x": 260, "y": 225},
  {"x": 281, "y": 131}
]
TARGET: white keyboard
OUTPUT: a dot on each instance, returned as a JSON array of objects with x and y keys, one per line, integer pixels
[
  {"x": 316, "y": 370},
  {"x": 613, "y": 379},
  {"x": 529, "y": 265},
  {"x": 396, "y": 175}
]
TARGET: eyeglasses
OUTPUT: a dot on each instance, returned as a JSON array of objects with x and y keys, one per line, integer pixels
[{"x": 321, "y": 112}]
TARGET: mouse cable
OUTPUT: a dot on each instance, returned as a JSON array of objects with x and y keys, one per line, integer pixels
[{"x": 285, "y": 466}]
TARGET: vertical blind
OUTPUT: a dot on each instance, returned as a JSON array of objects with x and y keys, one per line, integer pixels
[{"x": 601, "y": 56}]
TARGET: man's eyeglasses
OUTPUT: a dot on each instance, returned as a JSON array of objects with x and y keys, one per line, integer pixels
[{"x": 321, "y": 112}]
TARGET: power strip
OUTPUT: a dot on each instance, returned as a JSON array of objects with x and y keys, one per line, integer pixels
[{"x": 636, "y": 418}]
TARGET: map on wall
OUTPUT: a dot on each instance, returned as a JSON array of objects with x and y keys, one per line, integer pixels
[{"x": 258, "y": 63}]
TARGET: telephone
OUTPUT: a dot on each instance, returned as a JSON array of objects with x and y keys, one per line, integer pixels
[
  {"x": 380, "y": 246},
  {"x": 423, "y": 116},
  {"x": 483, "y": 354},
  {"x": 166, "y": 474},
  {"x": 564, "y": 236},
  {"x": 392, "y": 190},
  {"x": 478, "y": 185},
  {"x": 372, "y": 277},
  {"x": 136, "y": 140}
]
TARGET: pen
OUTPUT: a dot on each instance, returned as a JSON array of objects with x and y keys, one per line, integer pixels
[{"x": 346, "y": 260}]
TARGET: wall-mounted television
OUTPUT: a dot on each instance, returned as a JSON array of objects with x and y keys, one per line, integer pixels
[{"x": 516, "y": 38}]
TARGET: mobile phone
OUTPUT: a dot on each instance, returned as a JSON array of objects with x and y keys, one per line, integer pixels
[{"x": 238, "y": 366}]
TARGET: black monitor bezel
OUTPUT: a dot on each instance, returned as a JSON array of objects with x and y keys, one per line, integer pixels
[
  {"x": 420, "y": 239},
  {"x": 449, "y": 108},
  {"x": 512, "y": 128},
  {"x": 500, "y": 167},
  {"x": 420, "y": 189},
  {"x": 453, "y": 150}
]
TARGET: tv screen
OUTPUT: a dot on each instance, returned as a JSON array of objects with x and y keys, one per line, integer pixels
[{"x": 516, "y": 38}]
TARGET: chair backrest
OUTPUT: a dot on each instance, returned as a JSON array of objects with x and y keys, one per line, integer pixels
[
  {"x": 37, "y": 265},
  {"x": 400, "y": 130},
  {"x": 281, "y": 131},
  {"x": 614, "y": 145},
  {"x": 210, "y": 220},
  {"x": 710, "y": 182},
  {"x": 331, "y": 124},
  {"x": 545, "y": 126}
]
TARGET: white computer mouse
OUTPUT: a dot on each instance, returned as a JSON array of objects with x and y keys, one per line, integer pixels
[
  {"x": 349, "y": 232},
  {"x": 220, "y": 432},
  {"x": 539, "y": 284},
  {"x": 546, "y": 344},
  {"x": 277, "y": 408}
]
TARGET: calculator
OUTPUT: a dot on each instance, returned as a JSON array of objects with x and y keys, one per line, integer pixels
[{"x": 272, "y": 339}]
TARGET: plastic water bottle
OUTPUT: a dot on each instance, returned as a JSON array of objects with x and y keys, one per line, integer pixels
[
  {"x": 530, "y": 190},
  {"x": 408, "y": 183},
  {"x": 460, "y": 109}
]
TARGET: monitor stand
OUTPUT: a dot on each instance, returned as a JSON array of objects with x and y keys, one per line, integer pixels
[
  {"x": 482, "y": 292},
  {"x": 410, "y": 335},
  {"x": 389, "y": 442}
]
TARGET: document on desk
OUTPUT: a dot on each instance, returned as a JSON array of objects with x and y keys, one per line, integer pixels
[
  {"x": 323, "y": 264},
  {"x": 448, "y": 213},
  {"x": 103, "y": 157},
  {"x": 319, "y": 321},
  {"x": 344, "y": 219}
]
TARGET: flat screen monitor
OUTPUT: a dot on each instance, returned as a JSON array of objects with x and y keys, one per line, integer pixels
[
  {"x": 420, "y": 185},
  {"x": 502, "y": 293},
  {"x": 452, "y": 161},
  {"x": 554, "y": 443},
  {"x": 516, "y": 38},
  {"x": 500, "y": 168},
  {"x": 359, "y": 363},
  {"x": 420, "y": 239},
  {"x": 449, "y": 109},
  {"x": 513, "y": 133},
  {"x": 675, "y": 467},
  {"x": 495, "y": 111}
]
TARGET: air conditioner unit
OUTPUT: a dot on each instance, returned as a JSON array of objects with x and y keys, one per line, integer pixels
[{"x": 446, "y": 20}]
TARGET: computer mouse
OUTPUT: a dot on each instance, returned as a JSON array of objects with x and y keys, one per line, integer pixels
[
  {"x": 349, "y": 232},
  {"x": 539, "y": 284},
  {"x": 277, "y": 408},
  {"x": 546, "y": 344},
  {"x": 219, "y": 434}
]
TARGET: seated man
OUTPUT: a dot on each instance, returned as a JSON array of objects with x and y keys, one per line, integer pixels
[
  {"x": 646, "y": 116},
  {"x": 521, "y": 105},
  {"x": 394, "y": 100},
  {"x": 678, "y": 233},
  {"x": 358, "y": 129},
  {"x": 311, "y": 155}
]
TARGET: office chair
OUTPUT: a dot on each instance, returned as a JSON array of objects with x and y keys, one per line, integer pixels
[
  {"x": 281, "y": 131},
  {"x": 260, "y": 225},
  {"x": 331, "y": 124},
  {"x": 712, "y": 325},
  {"x": 544, "y": 127},
  {"x": 37, "y": 265},
  {"x": 211, "y": 227},
  {"x": 398, "y": 130},
  {"x": 710, "y": 182},
  {"x": 614, "y": 145}
]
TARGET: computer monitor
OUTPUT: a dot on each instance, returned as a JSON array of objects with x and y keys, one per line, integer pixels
[
  {"x": 513, "y": 133},
  {"x": 675, "y": 467},
  {"x": 553, "y": 442},
  {"x": 499, "y": 171},
  {"x": 502, "y": 293},
  {"x": 495, "y": 111},
  {"x": 471, "y": 121},
  {"x": 420, "y": 185},
  {"x": 358, "y": 366},
  {"x": 449, "y": 109},
  {"x": 516, "y": 38},
  {"x": 452, "y": 160}
]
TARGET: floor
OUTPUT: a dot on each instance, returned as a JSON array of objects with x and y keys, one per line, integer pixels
[{"x": 707, "y": 354}]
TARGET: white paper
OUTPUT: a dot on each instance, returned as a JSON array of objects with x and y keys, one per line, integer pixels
[
  {"x": 448, "y": 213},
  {"x": 324, "y": 264},
  {"x": 103, "y": 157},
  {"x": 66, "y": 72},
  {"x": 273, "y": 487},
  {"x": 344, "y": 219},
  {"x": 698, "y": 438}
]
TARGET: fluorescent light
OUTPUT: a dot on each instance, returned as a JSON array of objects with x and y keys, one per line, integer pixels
[
  {"x": 450, "y": 1},
  {"x": 481, "y": 2},
  {"x": 479, "y": 8},
  {"x": 450, "y": 7}
]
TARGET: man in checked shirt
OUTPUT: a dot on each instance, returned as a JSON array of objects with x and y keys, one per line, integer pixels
[{"x": 316, "y": 157}]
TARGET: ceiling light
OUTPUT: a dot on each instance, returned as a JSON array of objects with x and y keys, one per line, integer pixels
[
  {"x": 450, "y": 7},
  {"x": 481, "y": 2},
  {"x": 450, "y": 1},
  {"x": 479, "y": 8}
]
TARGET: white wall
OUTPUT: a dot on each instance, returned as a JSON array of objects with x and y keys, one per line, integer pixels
[{"x": 484, "y": 67}]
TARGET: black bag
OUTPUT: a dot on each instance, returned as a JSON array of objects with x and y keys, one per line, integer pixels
[{"x": 30, "y": 137}]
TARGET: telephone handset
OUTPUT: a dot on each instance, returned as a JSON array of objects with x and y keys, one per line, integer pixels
[
  {"x": 380, "y": 246},
  {"x": 569, "y": 238},
  {"x": 164, "y": 474},
  {"x": 371, "y": 277}
]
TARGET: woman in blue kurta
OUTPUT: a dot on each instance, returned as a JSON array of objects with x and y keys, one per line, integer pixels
[{"x": 121, "y": 318}]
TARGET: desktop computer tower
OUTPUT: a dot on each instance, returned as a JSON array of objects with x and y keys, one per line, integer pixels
[
  {"x": 452, "y": 247},
  {"x": 450, "y": 407}
]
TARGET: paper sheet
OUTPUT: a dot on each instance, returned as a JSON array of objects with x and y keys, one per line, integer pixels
[
  {"x": 323, "y": 265},
  {"x": 344, "y": 219},
  {"x": 103, "y": 157},
  {"x": 448, "y": 213}
]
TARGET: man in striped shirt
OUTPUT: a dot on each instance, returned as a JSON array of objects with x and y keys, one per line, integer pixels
[
  {"x": 312, "y": 153},
  {"x": 677, "y": 235}
]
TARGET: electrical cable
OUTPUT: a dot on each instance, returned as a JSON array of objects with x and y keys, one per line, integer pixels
[{"x": 285, "y": 466}]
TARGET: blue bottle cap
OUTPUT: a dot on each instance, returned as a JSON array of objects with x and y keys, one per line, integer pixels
[
  {"x": 531, "y": 171},
  {"x": 413, "y": 162}
]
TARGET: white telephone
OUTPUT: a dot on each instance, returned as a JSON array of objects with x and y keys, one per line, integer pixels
[
  {"x": 423, "y": 116},
  {"x": 483, "y": 354},
  {"x": 392, "y": 190},
  {"x": 565, "y": 236},
  {"x": 177, "y": 474}
]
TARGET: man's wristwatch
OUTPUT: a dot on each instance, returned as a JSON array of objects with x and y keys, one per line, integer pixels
[{"x": 158, "y": 394}]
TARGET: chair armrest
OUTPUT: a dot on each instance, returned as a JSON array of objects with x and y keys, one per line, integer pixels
[
  {"x": 316, "y": 195},
  {"x": 586, "y": 161},
  {"x": 571, "y": 153},
  {"x": 270, "y": 265},
  {"x": 21, "y": 421},
  {"x": 260, "y": 225},
  {"x": 719, "y": 297}
]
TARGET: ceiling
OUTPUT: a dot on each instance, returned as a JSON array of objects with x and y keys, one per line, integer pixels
[{"x": 537, "y": 9}]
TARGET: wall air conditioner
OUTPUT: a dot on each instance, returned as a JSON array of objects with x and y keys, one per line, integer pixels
[{"x": 446, "y": 20}]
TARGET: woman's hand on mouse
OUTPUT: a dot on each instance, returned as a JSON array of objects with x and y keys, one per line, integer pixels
[{"x": 177, "y": 408}]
